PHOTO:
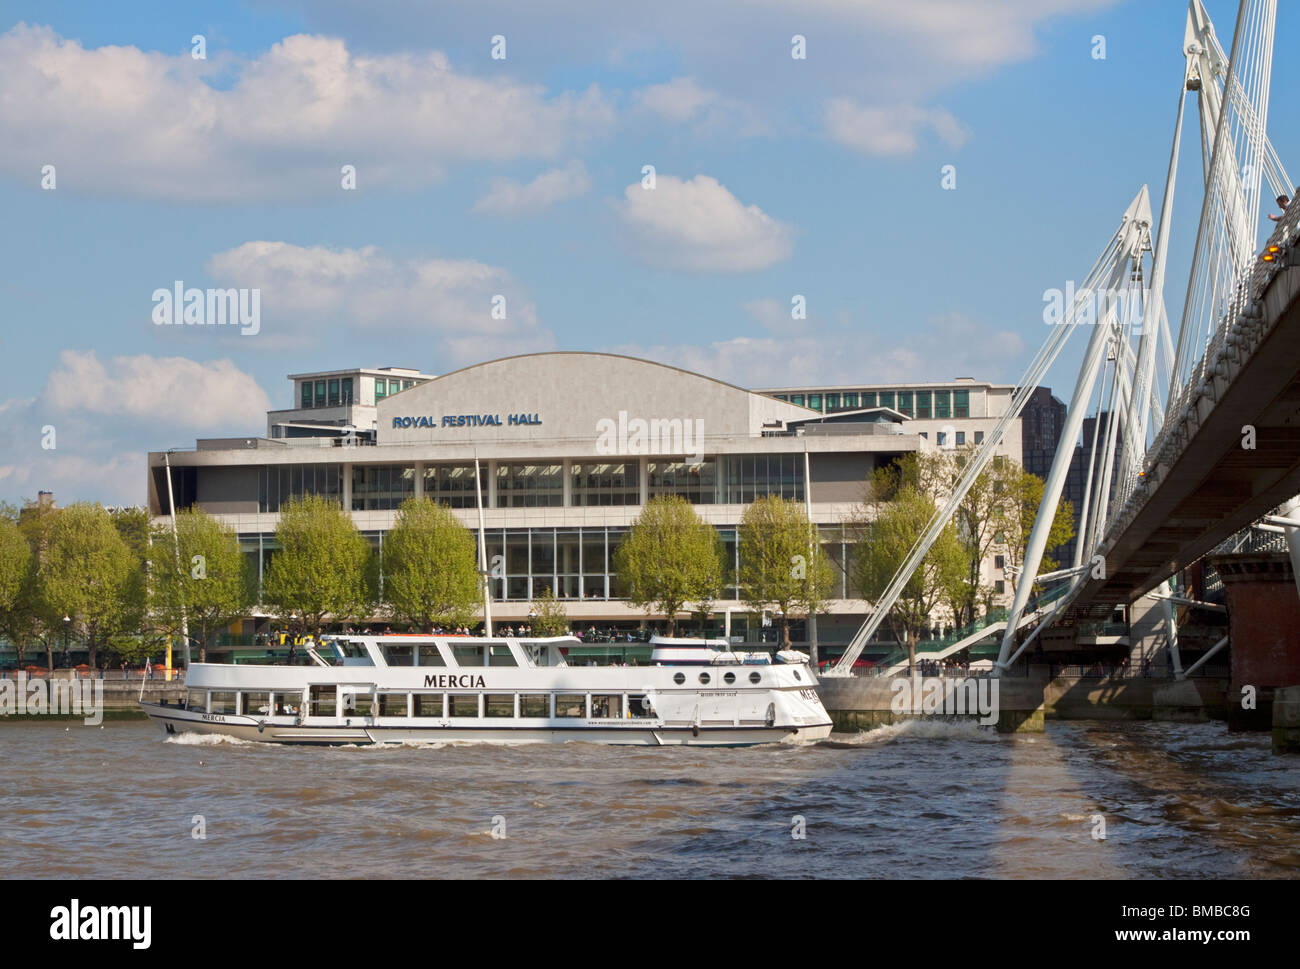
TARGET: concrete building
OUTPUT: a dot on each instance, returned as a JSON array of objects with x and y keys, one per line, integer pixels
[{"x": 570, "y": 447}]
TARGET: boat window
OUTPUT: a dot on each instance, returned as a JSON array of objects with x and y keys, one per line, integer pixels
[
  {"x": 679, "y": 678},
  {"x": 607, "y": 706},
  {"x": 399, "y": 654},
  {"x": 728, "y": 678},
  {"x": 288, "y": 704},
  {"x": 222, "y": 702},
  {"x": 256, "y": 704},
  {"x": 197, "y": 700},
  {"x": 570, "y": 705},
  {"x": 358, "y": 705},
  {"x": 393, "y": 704},
  {"x": 501, "y": 656},
  {"x": 429, "y": 705},
  {"x": 705, "y": 677},
  {"x": 430, "y": 655},
  {"x": 534, "y": 705},
  {"x": 499, "y": 705},
  {"x": 463, "y": 705},
  {"x": 324, "y": 701},
  {"x": 468, "y": 655},
  {"x": 639, "y": 706},
  {"x": 754, "y": 677},
  {"x": 354, "y": 654}
]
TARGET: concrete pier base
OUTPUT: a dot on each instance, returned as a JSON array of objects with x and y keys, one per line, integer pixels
[
  {"x": 1286, "y": 720},
  {"x": 1178, "y": 702}
]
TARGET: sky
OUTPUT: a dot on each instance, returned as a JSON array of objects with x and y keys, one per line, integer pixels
[{"x": 435, "y": 185}]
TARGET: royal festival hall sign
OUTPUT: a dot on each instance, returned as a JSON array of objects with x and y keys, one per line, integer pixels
[{"x": 468, "y": 420}]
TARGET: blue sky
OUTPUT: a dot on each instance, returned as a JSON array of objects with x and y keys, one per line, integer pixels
[{"x": 521, "y": 177}]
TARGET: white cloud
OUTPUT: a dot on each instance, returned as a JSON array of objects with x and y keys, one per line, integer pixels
[
  {"x": 943, "y": 348},
  {"x": 168, "y": 390},
  {"x": 699, "y": 226},
  {"x": 679, "y": 100},
  {"x": 880, "y": 130},
  {"x": 306, "y": 288},
  {"x": 508, "y": 197},
  {"x": 122, "y": 120}
]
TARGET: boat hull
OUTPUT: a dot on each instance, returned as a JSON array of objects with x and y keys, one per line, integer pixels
[{"x": 176, "y": 721}]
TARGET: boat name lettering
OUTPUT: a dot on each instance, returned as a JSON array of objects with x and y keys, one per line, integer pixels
[
  {"x": 214, "y": 718},
  {"x": 445, "y": 681}
]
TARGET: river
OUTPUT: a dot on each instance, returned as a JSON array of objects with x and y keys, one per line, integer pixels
[{"x": 918, "y": 800}]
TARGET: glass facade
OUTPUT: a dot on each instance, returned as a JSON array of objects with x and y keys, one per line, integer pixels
[
  {"x": 381, "y": 487},
  {"x": 605, "y": 483},
  {"x": 452, "y": 485},
  {"x": 333, "y": 392},
  {"x": 695, "y": 481},
  {"x": 529, "y": 485},
  {"x": 748, "y": 476},
  {"x": 920, "y": 404},
  {"x": 277, "y": 484}
]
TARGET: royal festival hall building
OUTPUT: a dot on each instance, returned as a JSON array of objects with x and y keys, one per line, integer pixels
[{"x": 571, "y": 446}]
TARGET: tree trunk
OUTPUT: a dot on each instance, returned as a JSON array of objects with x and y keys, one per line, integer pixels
[
  {"x": 785, "y": 630},
  {"x": 911, "y": 653},
  {"x": 49, "y": 656},
  {"x": 672, "y": 624}
]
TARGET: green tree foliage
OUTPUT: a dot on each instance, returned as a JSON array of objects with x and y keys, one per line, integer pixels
[
  {"x": 781, "y": 563},
  {"x": 431, "y": 567},
  {"x": 15, "y": 563},
  {"x": 321, "y": 569},
  {"x": 1020, "y": 522},
  {"x": 669, "y": 557},
  {"x": 552, "y": 619},
  {"x": 86, "y": 572},
  {"x": 884, "y": 542},
  {"x": 206, "y": 586}
]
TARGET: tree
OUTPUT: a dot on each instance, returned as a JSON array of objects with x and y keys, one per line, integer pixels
[
  {"x": 34, "y": 619},
  {"x": 431, "y": 567},
  {"x": 1020, "y": 522},
  {"x": 86, "y": 573},
  {"x": 15, "y": 561},
  {"x": 552, "y": 619},
  {"x": 781, "y": 562},
  {"x": 669, "y": 557},
  {"x": 883, "y": 544},
  {"x": 321, "y": 567},
  {"x": 207, "y": 586}
]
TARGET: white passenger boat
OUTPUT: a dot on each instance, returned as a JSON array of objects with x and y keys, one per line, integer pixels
[{"x": 433, "y": 689}]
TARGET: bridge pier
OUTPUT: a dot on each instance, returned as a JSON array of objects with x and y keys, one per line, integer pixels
[
  {"x": 1264, "y": 626},
  {"x": 1286, "y": 720}
]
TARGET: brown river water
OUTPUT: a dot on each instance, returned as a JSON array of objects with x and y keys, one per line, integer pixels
[{"x": 920, "y": 800}]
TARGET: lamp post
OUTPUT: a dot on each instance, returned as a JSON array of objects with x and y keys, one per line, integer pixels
[{"x": 67, "y": 623}]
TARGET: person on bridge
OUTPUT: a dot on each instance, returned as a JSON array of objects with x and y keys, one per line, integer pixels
[{"x": 1283, "y": 201}]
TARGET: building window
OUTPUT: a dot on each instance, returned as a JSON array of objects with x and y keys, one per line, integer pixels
[
  {"x": 745, "y": 477},
  {"x": 887, "y": 398},
  {"x": 832, "y": 402},
  {"x": 961, "y": 438},
  {"x": 347, "y": 390},
  {"x": 905, "y": 402},
  {"x": 276, "y": 484},
  {"x": 942, "y": 404},
  {"x": 693, "y": 480},
  {"x": 394, "y": 386},
  {"x": 306, "y": 392},
  {"x": 381, "y": 487},
  {"x": 320, "y": 393},
  {"x": 783, "y": 397},
  {"x": 381, "y": 389},
  {"x": 1000, "y": 561},
  {"x": 796, "y": 399},
  {"x": 923, "y": 400},
  {"x": 334, "y": 392},
  {"x": 979, "y": 437},
  {"x": 868, "y": 399},
  {"x": 961, "y": 403},
  {"x": 999, "y": 587},
  {"x": 605, "y": 483},
  {"x": 815, "y": 401},
  {"x": 530, "y": 485},
  {"x": 452, "y": 485},
  {"x": 941, "y": 439},
  {"x": 850, "y": 401}
]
